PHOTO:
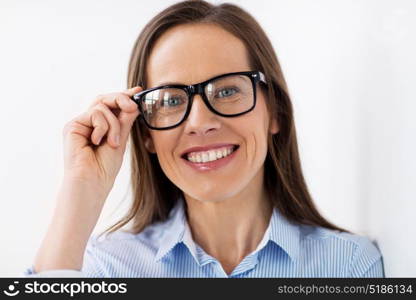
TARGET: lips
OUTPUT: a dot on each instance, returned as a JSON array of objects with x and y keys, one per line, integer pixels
[
  {"x": 210, "y": 158},
  {"x": 207, "y": 148}
]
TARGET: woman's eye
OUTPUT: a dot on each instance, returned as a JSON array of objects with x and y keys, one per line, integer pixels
[
  {"x": 226, "y": 92},
  {"x": 173, "y": 101}
]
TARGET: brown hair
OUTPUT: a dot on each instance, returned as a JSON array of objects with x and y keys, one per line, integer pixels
[{"x": 154, "y": 194}]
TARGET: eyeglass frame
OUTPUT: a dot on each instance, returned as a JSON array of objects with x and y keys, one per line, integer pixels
[{"x": 199, "y": 89}]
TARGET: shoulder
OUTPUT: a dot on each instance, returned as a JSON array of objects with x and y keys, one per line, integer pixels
[
  {"x": 122, "y": 239},
  {"x": 357, "y": 255},
  {"x": 335, "y": 237},
  {"x": 108, "y": 255}
]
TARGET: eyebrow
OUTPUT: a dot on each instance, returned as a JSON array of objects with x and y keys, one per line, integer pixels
[
  {"x": 169, "y": 83},
  {"x": 181, "y": 83}
]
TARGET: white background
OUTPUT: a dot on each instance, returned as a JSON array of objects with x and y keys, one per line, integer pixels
[{"x": 350, "y": 67}]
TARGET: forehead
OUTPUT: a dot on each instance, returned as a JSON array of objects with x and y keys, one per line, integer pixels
[{"x": 192, "y": 53}]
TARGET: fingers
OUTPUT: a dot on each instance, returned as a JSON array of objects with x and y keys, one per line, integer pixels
[
  {"x": 100, "y": 120},
  {"x": 100, "y": 125},
  {"x": 133, "y": 90},
  {"x": 121, "y": 100},
  {"x": 126, "y": 116},
  {"x": 126, "y": 121},
  {"x": 113, "y": 122},
  {"x": 76, "y": 127}
]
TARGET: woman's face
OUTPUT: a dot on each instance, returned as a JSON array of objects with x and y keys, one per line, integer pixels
[{"x": 189, "y": 54}]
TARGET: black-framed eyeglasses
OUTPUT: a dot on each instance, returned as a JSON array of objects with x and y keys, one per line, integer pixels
[{"x": 227, "y": 95}]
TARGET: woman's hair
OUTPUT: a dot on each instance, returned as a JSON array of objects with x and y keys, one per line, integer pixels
[{"x": 153, "y": 193}]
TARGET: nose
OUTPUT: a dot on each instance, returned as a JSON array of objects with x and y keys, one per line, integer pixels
[{"x": 201, "y": 121}]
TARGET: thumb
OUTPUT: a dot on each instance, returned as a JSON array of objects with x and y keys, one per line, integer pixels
[
  {"x": 134, "y": 90},
  {"x": 127, "y": 119}
]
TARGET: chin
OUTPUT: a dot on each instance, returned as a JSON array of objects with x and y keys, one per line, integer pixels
[{"x": 215, "y": 194}]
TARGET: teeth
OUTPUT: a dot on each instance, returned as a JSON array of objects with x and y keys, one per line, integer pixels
[
  {"x": 211, "y": 155},
  {"x": 219, "y": 154}
]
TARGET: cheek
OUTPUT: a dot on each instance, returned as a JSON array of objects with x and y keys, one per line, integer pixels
[
  {"x": 165, "y": 144},
  {"x": 257, "y": 143},
  {"x": 257, "y": 131}
]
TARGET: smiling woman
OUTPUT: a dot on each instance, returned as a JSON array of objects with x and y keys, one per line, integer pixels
[{"x": 218, "y": 189}]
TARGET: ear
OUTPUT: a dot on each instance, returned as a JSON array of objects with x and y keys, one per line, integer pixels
[
  {"x": 148, "y": 143},
  {"x": 274, "y": 126}
]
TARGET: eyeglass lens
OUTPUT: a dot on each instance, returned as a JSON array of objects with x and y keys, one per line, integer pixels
[{"x": 227, "y": 95}]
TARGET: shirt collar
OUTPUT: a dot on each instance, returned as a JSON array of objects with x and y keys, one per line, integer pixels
[
  {"x": 176, "y": 230},
  {"x": 281, "y": 231},
  {"x": 285, "y": 234}
]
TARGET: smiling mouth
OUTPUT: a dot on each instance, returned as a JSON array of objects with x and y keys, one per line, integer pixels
[{"x": 210, "y": 155}]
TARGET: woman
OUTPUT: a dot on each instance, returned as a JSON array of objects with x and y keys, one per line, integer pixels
[{"x": 217, "y": 182}]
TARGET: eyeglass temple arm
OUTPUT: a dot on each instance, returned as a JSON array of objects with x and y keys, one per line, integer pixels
[{"x": 262, "y": 77}]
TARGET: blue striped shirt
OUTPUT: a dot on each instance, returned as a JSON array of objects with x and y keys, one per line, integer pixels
[{"x": 167, "y": 249}]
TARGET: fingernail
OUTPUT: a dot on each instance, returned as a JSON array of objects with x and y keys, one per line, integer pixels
[
  {"x": 117, "y": 140},
  {"x": 99, "y": 140}
]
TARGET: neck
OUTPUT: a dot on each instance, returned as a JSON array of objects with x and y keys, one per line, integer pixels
[{"x": 232, "y": 228}]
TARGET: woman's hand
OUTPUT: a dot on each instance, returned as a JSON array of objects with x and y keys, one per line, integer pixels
[
  {"x": 95, "y": 141},
  {"x": 92, "y": 160}
]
